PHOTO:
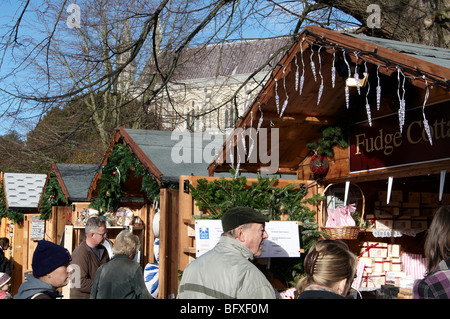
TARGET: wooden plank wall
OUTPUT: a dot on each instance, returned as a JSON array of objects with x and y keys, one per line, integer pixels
[{"x": 168, "y": 247}]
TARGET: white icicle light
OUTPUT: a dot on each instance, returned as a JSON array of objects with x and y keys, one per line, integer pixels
[
  {"x": 333, "y": 76},
  {"x": 320, "y": 94},
  {"x": 243, "y": 142},
  {"x": 285, "y": 91},
  {"x": 401, "y": 116},
  {"x": 321, "y": 78},
  {"x": 347, "y": 96},
  {"x": 252, "y": 141},
  {"x": 358, "y": 88},
  {"x": 277, "y": 98},
  {"x": 313, "y": 65},
  {"x": 378, "y": 90},
  {"x": 302, "y": 78},
  {"x": 378, "y": 97},
  {"x": 369, "y": 114},
  {"x": 296, "y": 74},
  {"x": 333, "y": 71},
  {"x": 425, "y": 121},
  {"x": 356, "y": 76},
  {"x": 347, "y": 93},
  {"x": 302, "y": 81},
  {"x": 427, "y": 129},
  {"x": 401, "y": 110},
  {"x": 284, "y": 107},
  {"x": 261, "y": 118}
]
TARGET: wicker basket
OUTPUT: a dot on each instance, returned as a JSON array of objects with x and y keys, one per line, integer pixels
[{"x": 343, "y": 232}]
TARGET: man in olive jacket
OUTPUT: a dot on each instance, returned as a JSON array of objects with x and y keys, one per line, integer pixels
[
  {"x": 88, "y": 257},
  {"x": 226, "y": 271}
]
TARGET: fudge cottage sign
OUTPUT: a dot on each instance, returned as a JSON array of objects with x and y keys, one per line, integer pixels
[{"x": 382, "y": 145}]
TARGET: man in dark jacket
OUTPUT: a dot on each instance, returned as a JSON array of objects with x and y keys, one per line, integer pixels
[{"x": 88, "y": 257}]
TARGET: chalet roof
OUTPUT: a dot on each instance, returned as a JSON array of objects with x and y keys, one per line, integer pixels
[
  {"x": 158, "y": 148},
  {"x": 228, "y": 59},
  {"x": 225, "y": 59},
  {"x": 75, "y": 179},
  {"x": 435, "y": 55},
  {"x": 158, "y": 153},
  {"x": 305, "y": 115},
  {"x": 23, "y": 191}
]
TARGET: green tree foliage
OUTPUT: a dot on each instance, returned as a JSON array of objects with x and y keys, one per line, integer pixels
[{"x": 331, "y": 136}]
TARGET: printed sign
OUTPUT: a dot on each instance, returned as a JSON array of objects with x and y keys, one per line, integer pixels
[
  {"x": 283, "y": 240},
  {"x": 37, "y": 228},
  {"x": 382, "y": 145}
]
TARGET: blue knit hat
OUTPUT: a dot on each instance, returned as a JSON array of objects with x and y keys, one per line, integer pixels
[{"x": 47, "y": 257}]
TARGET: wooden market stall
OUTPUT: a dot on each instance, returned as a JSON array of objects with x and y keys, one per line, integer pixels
[
  {"x": 365, "y": 113},
  {"x": 22, "y": 224},
  {"x": 150, "y": 154},
  {"x": 65, "y": 191}
]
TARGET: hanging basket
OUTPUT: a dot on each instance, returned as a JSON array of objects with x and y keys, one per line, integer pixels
[{"x": 342, "y": 232}]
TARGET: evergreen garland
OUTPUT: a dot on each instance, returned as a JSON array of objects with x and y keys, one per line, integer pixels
[
  {"x": 331, "y": 136},
  {"x": 115, "y": 173},
  {"x": 12, "y": 215},
  {"x": 53, "y": 196},
  {"x": 215, "y": 197}
]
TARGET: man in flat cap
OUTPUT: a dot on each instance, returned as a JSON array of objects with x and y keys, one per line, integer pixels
[{"x": 226, "y": 271}]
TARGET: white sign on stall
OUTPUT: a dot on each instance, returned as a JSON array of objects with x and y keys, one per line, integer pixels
[{"x": 283, "y": 240}]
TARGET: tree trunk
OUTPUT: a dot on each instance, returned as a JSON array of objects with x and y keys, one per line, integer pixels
[{"x": 415, "y": 21}]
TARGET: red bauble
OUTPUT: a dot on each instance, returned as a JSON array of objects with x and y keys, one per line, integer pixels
[{"x": 319, "y": 166}]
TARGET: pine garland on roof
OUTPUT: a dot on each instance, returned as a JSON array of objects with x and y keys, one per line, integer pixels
[
  {"x": 115, "y": 173},
  {"x": 53, "y": 196}
]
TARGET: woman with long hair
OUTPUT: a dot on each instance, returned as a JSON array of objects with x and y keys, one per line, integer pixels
[
  {"x": 436, "y": 284},
  {"x": 330, "y": 268}
]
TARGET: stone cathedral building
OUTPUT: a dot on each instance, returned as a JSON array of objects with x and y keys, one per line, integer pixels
[{"x": 213, "y": 85}]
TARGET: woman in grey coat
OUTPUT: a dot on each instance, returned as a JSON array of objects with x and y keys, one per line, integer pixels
[{"x": 121, "y": 277}]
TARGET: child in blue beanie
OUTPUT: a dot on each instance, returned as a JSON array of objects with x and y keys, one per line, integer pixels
[{"x": 51, "y": 270}]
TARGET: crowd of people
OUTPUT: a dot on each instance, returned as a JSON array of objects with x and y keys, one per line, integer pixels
[{"x": 226, "y": 271}]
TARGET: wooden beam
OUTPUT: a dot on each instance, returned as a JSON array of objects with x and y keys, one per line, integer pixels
[{"x": 298, "y": 119}]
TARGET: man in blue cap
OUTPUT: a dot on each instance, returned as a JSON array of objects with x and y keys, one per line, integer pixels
[{"x": 226, "y": 271}]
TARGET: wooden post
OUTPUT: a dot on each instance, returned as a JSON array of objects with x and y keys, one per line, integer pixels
[{"x": 68, "y": 244}]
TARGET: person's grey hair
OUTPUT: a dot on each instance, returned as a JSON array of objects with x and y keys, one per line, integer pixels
[
  {"x": 126, "y": 243},
  {"x": 93, "y": 224},
  {"x": 232, "y": 233}
]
